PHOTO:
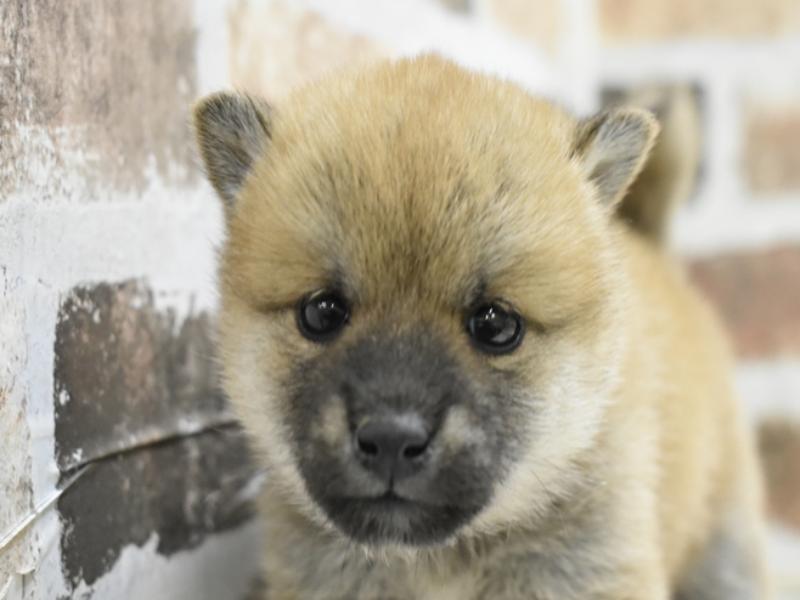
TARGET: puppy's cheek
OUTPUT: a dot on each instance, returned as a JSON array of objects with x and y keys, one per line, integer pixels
[
  {"x": 255, "y": 371},
  {"x": 561, "y": 399},
  {"x": 494, "y": 430}
]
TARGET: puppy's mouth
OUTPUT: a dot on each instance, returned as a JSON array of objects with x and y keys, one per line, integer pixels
[
  {"x": 391, "y": 500},
  {"x": 390, "y": 518}
]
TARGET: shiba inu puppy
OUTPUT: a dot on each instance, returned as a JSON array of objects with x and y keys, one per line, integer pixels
[{"x": 466, "y": 375}]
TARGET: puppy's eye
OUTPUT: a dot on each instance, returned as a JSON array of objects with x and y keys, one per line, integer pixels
[
  {"x": 322, "y": 315},
  {"x": 495, "y": 328}
]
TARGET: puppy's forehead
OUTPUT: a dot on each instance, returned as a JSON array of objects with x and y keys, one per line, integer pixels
[{"x": 430, "y": 182}]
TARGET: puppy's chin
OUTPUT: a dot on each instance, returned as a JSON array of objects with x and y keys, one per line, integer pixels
[{"x": 391, "y": 520}]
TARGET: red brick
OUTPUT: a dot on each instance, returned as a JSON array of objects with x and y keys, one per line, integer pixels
[
  {"x": 758, "y": 295},
  {"x": 772, "y": 151},
  {"x": 277, "y": 46},
  {"x": 538, "y": 21},
  {"x": 653, "y": 20}
]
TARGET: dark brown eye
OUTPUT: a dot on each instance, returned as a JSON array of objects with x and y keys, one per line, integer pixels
[
  {"x": 495, "y": 328},
  {"x": 322, "y": 315}
]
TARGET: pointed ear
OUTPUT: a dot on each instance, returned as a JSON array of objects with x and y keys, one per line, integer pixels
[
  {"x": 613, "y": 147},
  {"x": 232, "y": 130}
]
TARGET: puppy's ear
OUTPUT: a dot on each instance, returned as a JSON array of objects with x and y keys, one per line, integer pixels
[
  {"x": 232, "y": 130},
  {"x": 613, "y": 146}
]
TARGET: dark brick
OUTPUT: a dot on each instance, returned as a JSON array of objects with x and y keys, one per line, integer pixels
[
  {"x": 758, "y": 295},
  {"x": 94, "y": 91},
  {"x": 183, "y": 491},
  {"x": 128, "y": 374},
  {"x": 128, "y": 379},
  {"x": 779, "y": 445}
]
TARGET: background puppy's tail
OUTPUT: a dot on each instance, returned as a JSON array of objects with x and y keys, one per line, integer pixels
[{"x": 670, "y": 173}]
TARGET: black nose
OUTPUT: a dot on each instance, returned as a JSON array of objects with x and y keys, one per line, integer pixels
[{"x": 392, "y": 447}]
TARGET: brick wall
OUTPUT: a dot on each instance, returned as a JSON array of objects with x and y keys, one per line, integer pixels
[
  {"x": 107, "y": 235},
  {"x": 120, "y": 476}
]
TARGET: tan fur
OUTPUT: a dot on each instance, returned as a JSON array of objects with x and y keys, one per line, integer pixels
[{"x": 400, "y": 180}]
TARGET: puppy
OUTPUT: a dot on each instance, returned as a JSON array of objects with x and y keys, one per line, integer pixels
[{"x": 467, "y": 378}]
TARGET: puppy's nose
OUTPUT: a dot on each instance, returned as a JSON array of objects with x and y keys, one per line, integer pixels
[{"x": 392, "y": 447}]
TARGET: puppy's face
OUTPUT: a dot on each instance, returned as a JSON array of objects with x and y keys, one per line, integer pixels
[{"x": 420, "y": 308}]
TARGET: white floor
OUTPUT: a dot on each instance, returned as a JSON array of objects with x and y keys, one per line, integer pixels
[{"x": 784, "y": 554}]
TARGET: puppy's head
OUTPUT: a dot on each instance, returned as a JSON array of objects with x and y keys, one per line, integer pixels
[{"x": 420, "y": 294}]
